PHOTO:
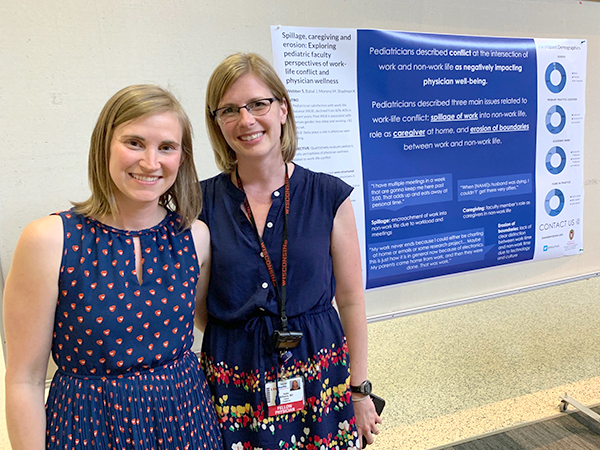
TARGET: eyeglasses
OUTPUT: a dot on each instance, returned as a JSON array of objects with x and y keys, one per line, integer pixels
[{"x": 258, "y": 107}]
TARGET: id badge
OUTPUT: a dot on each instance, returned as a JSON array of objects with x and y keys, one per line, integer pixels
[{"x": 285, "y": 396}]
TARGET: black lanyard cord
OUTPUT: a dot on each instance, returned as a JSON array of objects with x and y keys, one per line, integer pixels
[{"x": 281, "y": 295}]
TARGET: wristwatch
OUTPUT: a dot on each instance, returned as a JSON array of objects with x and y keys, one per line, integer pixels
[{"x": 363, "y": 388}]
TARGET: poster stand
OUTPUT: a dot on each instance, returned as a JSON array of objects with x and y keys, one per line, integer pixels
[{"x": 565, "y": 401}]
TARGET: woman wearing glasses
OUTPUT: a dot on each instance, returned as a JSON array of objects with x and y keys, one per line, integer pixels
[{"x": 284, "y": 242}]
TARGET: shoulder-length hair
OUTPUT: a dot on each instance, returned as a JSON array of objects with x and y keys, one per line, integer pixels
[
  {"x": 128, "y": 104},
  {"x": 228, "y": 72}
]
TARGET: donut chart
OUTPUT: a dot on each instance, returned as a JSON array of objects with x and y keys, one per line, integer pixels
[
  {"x": 563, "y": 119},
  {"x": 561, "y": 202},
  {"x": 555, "y": 170},
  {"x": 555, "y": 88}
]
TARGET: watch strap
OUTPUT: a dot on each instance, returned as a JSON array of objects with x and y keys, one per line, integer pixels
[{"x": 363, "y": 388}]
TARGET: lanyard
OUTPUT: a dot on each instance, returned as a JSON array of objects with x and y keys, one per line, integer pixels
[{"x": 281, "y": 295}]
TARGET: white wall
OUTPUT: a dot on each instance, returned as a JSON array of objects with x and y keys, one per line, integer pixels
[{"x": 62, "y": 60}]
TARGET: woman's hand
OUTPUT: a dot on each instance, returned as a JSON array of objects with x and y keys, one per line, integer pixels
[{"x": 366, "y": 418}]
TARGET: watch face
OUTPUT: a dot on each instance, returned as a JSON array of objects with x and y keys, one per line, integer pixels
[{"x": 363, "y": 388}]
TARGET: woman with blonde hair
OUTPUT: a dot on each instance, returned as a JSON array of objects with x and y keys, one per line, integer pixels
[
  {"x": 284, "y": 243},
  {"x": 109, "y": 289}
]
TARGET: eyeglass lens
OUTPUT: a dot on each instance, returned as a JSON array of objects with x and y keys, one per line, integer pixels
[{"x": 256, "y": 108}]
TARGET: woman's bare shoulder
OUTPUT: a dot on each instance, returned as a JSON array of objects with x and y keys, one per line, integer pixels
[{"x": 47, "y": 230}]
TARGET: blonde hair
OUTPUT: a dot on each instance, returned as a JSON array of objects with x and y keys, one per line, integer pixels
[
  {"x": 128, "y": 104},
  {"x": 228, "y": 72}
]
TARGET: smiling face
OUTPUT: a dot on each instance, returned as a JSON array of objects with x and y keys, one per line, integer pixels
[
  {"x": 145, "y": 155},
  {"x": 253, "y": 138}
]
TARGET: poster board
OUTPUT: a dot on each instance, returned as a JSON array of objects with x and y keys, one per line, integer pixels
[{"x": 455, "y": 144}]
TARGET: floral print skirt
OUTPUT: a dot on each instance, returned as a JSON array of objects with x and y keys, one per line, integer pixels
[{"x": 239, "y": 361}]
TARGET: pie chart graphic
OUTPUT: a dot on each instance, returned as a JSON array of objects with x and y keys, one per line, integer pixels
[
  {"x": 555, "y": 170},
  {"x": 555, "y": 88},
  {"x": 555, "y": 129},
  {"x": 561, "y": 202}
]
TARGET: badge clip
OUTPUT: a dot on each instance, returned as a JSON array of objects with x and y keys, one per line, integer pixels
[{"x": 286, "y": 339}]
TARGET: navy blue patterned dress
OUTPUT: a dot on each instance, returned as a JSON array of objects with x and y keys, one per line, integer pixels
[
  {"x": 237, "y": 355},
  {"x": 126, "y": 376}
]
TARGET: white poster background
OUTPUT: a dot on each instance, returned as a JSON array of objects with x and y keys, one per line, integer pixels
[
  {"x": 559, "y": 169},
  {"x": 318, "y": 67}
]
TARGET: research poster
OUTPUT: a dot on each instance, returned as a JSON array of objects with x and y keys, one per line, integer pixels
[{"x": 465, "y": 152}]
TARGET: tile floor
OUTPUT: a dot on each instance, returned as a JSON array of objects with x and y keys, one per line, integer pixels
[{"x": 458, "y": 372}]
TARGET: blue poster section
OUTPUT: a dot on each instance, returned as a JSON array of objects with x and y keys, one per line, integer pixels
[{"x": 448, "y": 142}]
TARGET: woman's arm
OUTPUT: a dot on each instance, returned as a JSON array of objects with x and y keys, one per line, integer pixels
[
  {"x": 350, "y": 299},
  {"x": 30, "y": 297},
  {"x": 202, "y": 244}
]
